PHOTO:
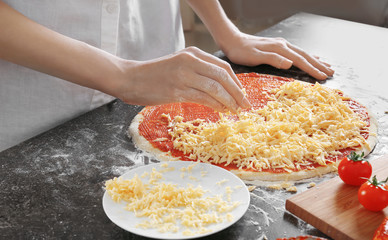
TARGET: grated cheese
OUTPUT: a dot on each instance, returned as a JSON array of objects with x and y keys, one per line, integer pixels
[
  {"x": 284, "y": 185},
  {"x": 301, "y": 125},
  {"x": 291, "y": 189},
  {"x": 164, "y": 205},
  {"x": 222, "y": 182},
  {"x": 193, "y": 178}
]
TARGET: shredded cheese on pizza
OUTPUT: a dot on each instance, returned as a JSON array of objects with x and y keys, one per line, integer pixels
[
  {"x": 164, "y": 205},
  {"x": 301, "y": 125}
]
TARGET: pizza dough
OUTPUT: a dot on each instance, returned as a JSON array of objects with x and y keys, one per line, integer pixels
[{"x": 244, "y": 173}]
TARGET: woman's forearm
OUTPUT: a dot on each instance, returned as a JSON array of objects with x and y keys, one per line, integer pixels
[
  {"x": 27, "y": 43},
  {"x": 213, "y": 16}
]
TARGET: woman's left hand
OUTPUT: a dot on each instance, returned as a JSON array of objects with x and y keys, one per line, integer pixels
[{"x": 252, "y": 50}]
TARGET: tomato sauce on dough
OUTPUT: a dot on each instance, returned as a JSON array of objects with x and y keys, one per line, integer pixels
[{"x": 257, "y": 86}]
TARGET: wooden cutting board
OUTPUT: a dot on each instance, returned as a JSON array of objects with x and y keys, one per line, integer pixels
[{"x": 333, "y": 207}]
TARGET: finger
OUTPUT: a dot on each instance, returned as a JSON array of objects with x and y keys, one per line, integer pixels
[
  {"x": 220, "y": 76},
  {"x": 217, "y": 61},
  {"x": 302, "y": 63},
  {"x": 313, "y": 60},
  {"x": 216, "y": 91},
  {"x": 197, "y": 96},
  {"x": 325, "y": 63},
  {"x": 271, "y": 58},
  {"x": 299, "y": 58}
]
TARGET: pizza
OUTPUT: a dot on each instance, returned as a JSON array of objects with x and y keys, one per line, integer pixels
[{"x": 295, "y": 130}]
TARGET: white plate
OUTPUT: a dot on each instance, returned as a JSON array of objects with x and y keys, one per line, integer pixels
[{"x": 211, "y": 181}]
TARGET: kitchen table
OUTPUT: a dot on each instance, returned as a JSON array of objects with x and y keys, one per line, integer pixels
[{"x": 51, "y": 186}]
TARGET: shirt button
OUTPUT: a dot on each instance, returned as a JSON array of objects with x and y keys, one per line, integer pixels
[{"x": 111, "y": 8}]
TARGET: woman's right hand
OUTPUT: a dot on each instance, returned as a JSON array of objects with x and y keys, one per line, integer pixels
[{"x": 189, "y": 75}]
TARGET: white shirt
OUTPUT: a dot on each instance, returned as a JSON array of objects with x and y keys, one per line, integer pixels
[{"x": 32, "y": 102}]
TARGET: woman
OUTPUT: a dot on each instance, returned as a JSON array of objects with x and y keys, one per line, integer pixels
[{"x": 59, "y": 59}]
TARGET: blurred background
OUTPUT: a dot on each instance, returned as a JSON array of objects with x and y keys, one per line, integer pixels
[{"x": 252, "y": 16}]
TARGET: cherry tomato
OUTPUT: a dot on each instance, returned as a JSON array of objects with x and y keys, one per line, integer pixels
[
  {"x": 306, "y": 237},
  {"x": 353, "y": 170},
  {"x": 373, "y": 194},
  {"x": 381, "y": 232}
]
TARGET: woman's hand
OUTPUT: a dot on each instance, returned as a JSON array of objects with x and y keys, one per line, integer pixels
[
  {"x": 189, "y": 75},
  {"x": 251, "y": 50}
]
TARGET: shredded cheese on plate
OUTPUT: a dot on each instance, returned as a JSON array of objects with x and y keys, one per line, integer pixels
[{"x": 163, "y": 205}]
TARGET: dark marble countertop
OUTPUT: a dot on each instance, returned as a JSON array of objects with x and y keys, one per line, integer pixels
[{"x": 51, "y": 186}]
